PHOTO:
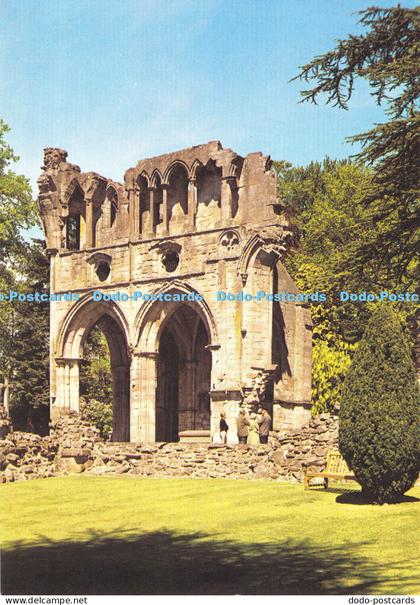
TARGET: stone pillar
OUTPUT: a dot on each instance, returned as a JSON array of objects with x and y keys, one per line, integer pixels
[
  {"x": 153, "y": 199},
  {"x": 192, "y": 202},
  {"x": 90, "y": 240},
  {"x": 146, "y": 428},
  {"x": 226, "y": 202},
  {"x": 165, "y": 223},
  {"x": 188, "y": 397},
  {"x": 57, "y": 402},
  {"x": 106, "y": 213},
  {"x": 66, "y": 380},
  {"x": 67, "y": 385},
  {"x": 135, "y": 397},
  {"x": 133, "y": 218},
  {"x": 73, "y": 370},
  {"x": 53, "y": 369},
  {"x": 120, "y": 404},
  {"x": 137, "y": 213}
]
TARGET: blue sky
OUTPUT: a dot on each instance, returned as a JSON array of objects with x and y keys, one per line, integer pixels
[{"x": 113, "y": 81}]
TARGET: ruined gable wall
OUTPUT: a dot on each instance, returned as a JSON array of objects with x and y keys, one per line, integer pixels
[{"x": 234, "y": 246}]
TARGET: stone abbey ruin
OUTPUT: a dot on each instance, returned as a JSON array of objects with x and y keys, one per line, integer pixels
[{"x": 187, "y": 223}]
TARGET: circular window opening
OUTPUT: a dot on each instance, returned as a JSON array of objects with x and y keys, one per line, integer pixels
[
  {"x": 103, "y": 270},
  {"x": 170, "y": 261}
]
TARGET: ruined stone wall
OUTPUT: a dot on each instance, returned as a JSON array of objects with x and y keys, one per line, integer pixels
[
  {"x": 27, "y": 456},
  {"x": 77, "y": 439},
  {"x": 74, "y": 446},
  {"x": 285, "y": 458}
]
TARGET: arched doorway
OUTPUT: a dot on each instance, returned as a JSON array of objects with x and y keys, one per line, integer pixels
[
  {"x": 183, "y": 376},
  {"x": 120, "y": 370},
  {"x": 107, "y": 318}
]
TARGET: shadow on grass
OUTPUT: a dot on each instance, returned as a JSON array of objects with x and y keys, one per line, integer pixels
[
  {"x": 167, "y": 563},
  {"x": 355, "y": 497}
]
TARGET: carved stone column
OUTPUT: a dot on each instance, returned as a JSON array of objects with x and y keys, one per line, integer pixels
[
  {"x": 67, "y": 385},
  {"x": 133, "y": 215},
  {"x": 73, "y": 370},
  {"x": 147, "y": 382},
  {"x": 120, "y": 404},
  {"x": 137, "y": 213},
  {"x": 226, "y": 202},
  {"x": 106, "y": 213},
  {"x": 135, "y": 397},
  {"x": 153, "y": 200},
  {"x": 188, "y": 397},
  {"x": 165, "y": 208},
  {"x": 89, "y": 224},
  {"x": 58, "y": 404},
  {"x": 192, "y": 201}
]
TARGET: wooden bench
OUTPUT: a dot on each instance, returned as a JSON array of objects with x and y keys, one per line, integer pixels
[{"x": 336, "y": 469}]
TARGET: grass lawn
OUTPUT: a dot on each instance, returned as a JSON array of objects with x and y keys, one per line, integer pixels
[{"x": 120, "y": 535}]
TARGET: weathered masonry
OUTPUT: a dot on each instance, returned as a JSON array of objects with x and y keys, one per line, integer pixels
[{"x": 188, "y": 223}]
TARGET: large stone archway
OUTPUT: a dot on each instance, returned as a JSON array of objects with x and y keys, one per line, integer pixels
[
  {"x": 75, "y": 331},
  {"x": 173, "y": 361},
  {"x": 183, "y": 377}
]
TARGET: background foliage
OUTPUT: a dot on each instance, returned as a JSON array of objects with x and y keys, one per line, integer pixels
[
  {"x": 326, "y": 204},
  {"x": 96, "y": 382},
  {"x": 24, "y": 327}
]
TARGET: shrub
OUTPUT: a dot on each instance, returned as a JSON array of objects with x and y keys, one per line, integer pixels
[
  {"x": 99, "y": 414},
  {"x": 379, "y": 418}
]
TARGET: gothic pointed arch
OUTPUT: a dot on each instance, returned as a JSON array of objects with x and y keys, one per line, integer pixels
[
  {"x": 177, "y": 178},
  {"x": 144, "y": 175},
  {"x": 152, "y": 315},
  {"x": 194, "y": 167},
  {"x": 71, "y": 189},
  {"x": 156, "y": 179},
  {"x": 78, "y": 324},
  {"x": 82, "y": 316},
  {"x": 176, "y": 165}
]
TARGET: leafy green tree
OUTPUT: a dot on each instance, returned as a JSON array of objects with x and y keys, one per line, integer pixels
[
  {"x": 95, "y": 368},
  {"x": 329, "y": 369},
  {"x": 379, "y": 434},
  {"x": 325, "y": 202},
  {"x": 387, "y": 55},
  {"x": 17, "y": 212},
  {"x": 17, "y": 208},
  {"x": 96, "y": 382}
]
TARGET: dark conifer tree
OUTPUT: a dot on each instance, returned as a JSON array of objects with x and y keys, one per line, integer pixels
[
  {"x": 379, "y": 418},
  {"x": 387, "y": 56}
]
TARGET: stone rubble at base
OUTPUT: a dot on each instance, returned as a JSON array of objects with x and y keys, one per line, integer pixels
[{"x": 74, "y": 446}]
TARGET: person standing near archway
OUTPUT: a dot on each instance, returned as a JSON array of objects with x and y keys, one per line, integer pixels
[
  {"x": 253, "y": 438},
  {"x": 242, "y": 424},
  {"x": 264, "y": 425},
  {"x": 223, "y": 427}
]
